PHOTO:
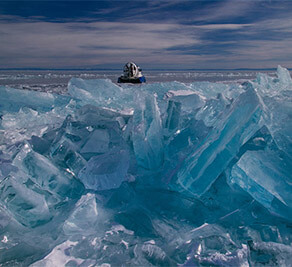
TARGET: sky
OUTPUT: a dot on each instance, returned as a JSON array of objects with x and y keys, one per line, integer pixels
[{"x": 184, "y": 34}]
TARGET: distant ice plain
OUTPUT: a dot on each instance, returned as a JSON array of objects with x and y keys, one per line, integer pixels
[{"x": 56, "y": 81}]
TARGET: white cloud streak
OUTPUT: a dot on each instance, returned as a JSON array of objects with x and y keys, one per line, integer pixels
[
  {"x": 88, "y": 43},
  {"x": 222, "y": 26},
  {"x": 35, "y": 43}
]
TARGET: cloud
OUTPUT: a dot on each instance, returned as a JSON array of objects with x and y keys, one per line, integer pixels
[
  {"x": 218, "y": 35},
  {"x": 226, "y": 10},
  {"x": 55, "y": 42},
  {"x": 227, "y": 26}
]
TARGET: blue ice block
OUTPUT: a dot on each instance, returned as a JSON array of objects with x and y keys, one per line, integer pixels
[
  {"x": 105, "y": 171},
  {"x": 236, "y": 125},
  {"x": 147, "y": 135}
]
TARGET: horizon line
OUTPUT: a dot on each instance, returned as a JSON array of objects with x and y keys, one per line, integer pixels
[{"x": 152, "y": 69}]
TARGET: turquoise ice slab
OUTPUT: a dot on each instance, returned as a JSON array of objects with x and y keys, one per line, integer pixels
[
  {"x": 105, "y": 171},
  {"x": 276, "y": 98},
  {"x": 266, "y": 176},
  {"x": 85, "y": 218},
  {"x": 161, "y": 174},
  {"x": 44, "y": 173},
  {"x": 100, "y": 92},
  {"x": 147, "y": 135},
  {"x": 26, "y": 205},
  {"x": 236, "y": 125},
  {"x": 11, "y": 100}
]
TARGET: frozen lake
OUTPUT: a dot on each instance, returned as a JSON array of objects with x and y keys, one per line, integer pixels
[{"x": 57, "y": 81}]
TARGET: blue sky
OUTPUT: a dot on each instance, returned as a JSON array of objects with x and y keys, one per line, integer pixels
[{"x": 222, "y": 34}]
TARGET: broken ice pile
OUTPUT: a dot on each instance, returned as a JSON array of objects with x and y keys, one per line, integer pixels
[{"x": 155, "y": 174}]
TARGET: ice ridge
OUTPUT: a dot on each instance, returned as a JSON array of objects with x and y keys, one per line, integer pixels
[{"x": 157, "y": 174}]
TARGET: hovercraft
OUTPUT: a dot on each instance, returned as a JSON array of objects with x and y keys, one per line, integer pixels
[{"x": 132, "y": 74}]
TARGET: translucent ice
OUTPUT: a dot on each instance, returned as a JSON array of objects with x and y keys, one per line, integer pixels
[
  {"x": 266, "y": 175},
  {"x": 147, "y": 133},
  {"x": 97, "y": 92},
  {"x": 59, "y": 257},
  {"x": 232, "y": 129},
  {"x": 190, "y": 99},
  {"x": 98, "y": 142},
  {"x": 85, "y": 217},
  {"x": 43, "y": 172},
  {"x": 163, "y": 89},
  {"x": 212, "y": 110},
  {"x": 11, "y": 100},
  {"x": 27, "y": 122},
  {"x": 106, "y": 171},
  {"x": 211, "y": 90},
  {"x": 64, "y": 151},
  {"x": 27, "y": 206},
  {"x": 276, "y": 95},
  {"x": 284, "y": 76},
  {"x": 97, "y": 116},
  {"x": 160, "y": 174}
]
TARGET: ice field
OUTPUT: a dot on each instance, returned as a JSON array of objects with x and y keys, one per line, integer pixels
[{"x": 159, "y": 174}]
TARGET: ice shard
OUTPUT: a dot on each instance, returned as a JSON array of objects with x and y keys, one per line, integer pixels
[
  {"x": 27, "y": 206},
  {"x": 12, "y": 100},
  {"x": 96, "y": 92},
  {"x": 236, "y": 125},
  {"x": 276, "y": 97},
  {"x": 266, "y": 176},
  {"x": 181, "y": 104},
  {"x": 43, "y": 172},
  {"x": 98, "y": 142},
  {"x": 105, "y": 171},
  {"x": 213, "y": 110},
  {"x": 284, "y": 76},
  {"x": 147, "y": 132},
  {"x": 168, "y": 174},
  {"x": 86, "y": 217},
  {"x": 173, "y": 115}
]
